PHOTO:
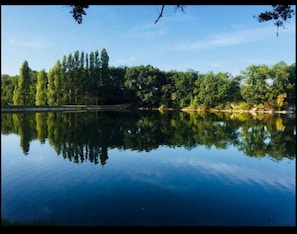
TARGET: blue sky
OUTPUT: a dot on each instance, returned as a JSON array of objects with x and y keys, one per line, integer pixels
[{"x": 224, "y": 38}]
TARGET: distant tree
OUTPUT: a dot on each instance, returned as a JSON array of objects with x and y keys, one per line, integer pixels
[
  {"x": 91, "y": 73},
  {"x": 32, "y": 89},
  {"x": 280, "y": 83},
  {"x": 58, "y": 82},
  {"x": 41, "y": 89},
  {"x": 105, "y": 81},
  {"x": 118, "y": 92},
  {"x": 8, "y": 84},
  {"x": 76, "y": 76},
  {"x": 166, "y": 89},
  {"x": 51, "y": 98},
  {"x": 82, "y": 80},
  {"x": 209, "y": 90},
  {"x": 184, "y": 85},
  {"x": 70, "y": 79},
  {"x": 22, "y": 93},
  {"x": 144, "y": 83},
  {"x": 87, "y": 76},
  {"x": 292, "y": 89},
  {"x": 65, "y": 83},
  {"x": 97, "y": 76},
  {"x": 104, "y": 63},
  {"x": 256, "y": 82}
]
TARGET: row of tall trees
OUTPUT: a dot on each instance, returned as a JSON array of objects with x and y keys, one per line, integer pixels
[
  {"x": 79, "y": 79},
  {"x": 88, "y": 79}
]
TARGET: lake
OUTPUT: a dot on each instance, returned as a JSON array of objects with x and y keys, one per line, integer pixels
[{"x": 146, "y": 168}]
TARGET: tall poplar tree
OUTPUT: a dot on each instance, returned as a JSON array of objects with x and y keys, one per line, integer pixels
[
  {"x": 51, "y": 97},
  {"x": 91, "y": 72},
  {"x": 70, "y": 79},
  {"x": 82, "y": 80},
  {"x": 104, "y": 79},
  {"x": 64, "y": 80},
  {"x": 58, "y": 82},
  {"x": 97, "y": 78},
  {"x": 87, "y": 80},
  {"x": 32, "y": 89},
  {"x": 22, "y": 93},
  {"x": 76, "y": 76},
  {"x": 41, "y": 88}
]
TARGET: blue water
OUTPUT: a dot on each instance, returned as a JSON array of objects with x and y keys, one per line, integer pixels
[{"x": 164, "y": 187}]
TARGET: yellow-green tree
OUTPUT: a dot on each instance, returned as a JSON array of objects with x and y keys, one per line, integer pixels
[
  {"x": 41, "y": 88},
  {"x": 280, "y": 100}
]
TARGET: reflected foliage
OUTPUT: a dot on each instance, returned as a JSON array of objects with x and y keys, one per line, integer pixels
[{"x": 87, "y": 136}]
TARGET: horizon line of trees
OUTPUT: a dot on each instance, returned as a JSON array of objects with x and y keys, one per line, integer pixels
[{"x": 87, "y": 79}]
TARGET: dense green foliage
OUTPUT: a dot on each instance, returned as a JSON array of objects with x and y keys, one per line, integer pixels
[
  {"x": 83, "y": 78},
  {"x": 41, "y": 95},
  {"x": 21, "y": 93}
]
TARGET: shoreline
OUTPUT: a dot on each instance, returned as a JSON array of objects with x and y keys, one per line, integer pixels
[
  {"x": 119, "y": 107},
  {"x": 129, "y": 107},
  {"x": 251, "y": 111}
]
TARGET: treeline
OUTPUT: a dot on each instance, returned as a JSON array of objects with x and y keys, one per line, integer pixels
[{"x": 88, "y": 79}]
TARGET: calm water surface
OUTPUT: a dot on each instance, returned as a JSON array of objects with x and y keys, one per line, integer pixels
[{"x": 148, "y": 169}]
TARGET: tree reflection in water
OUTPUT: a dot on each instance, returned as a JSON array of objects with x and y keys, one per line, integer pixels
[{"x": 81, "y": 136}]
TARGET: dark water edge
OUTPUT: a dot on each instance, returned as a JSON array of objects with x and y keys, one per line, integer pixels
[
  {"x": 118, "y": 107},
  {"x": 131, "y": 107}
]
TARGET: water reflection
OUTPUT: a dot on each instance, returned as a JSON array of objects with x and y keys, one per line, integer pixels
[
  {"x": 163, "y": 169},
  {"x": 80, "y": 136}
]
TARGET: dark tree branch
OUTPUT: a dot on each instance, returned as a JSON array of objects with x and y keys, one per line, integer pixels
[
  {"x": 78, "y": 11},
  {"x": 279, "y": 15},
  {"x": 160, "y": 15},
  {"x": 181, "y": 7}
]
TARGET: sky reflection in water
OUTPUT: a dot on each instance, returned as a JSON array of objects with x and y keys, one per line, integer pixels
[{"x": 163, "y": 187}]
